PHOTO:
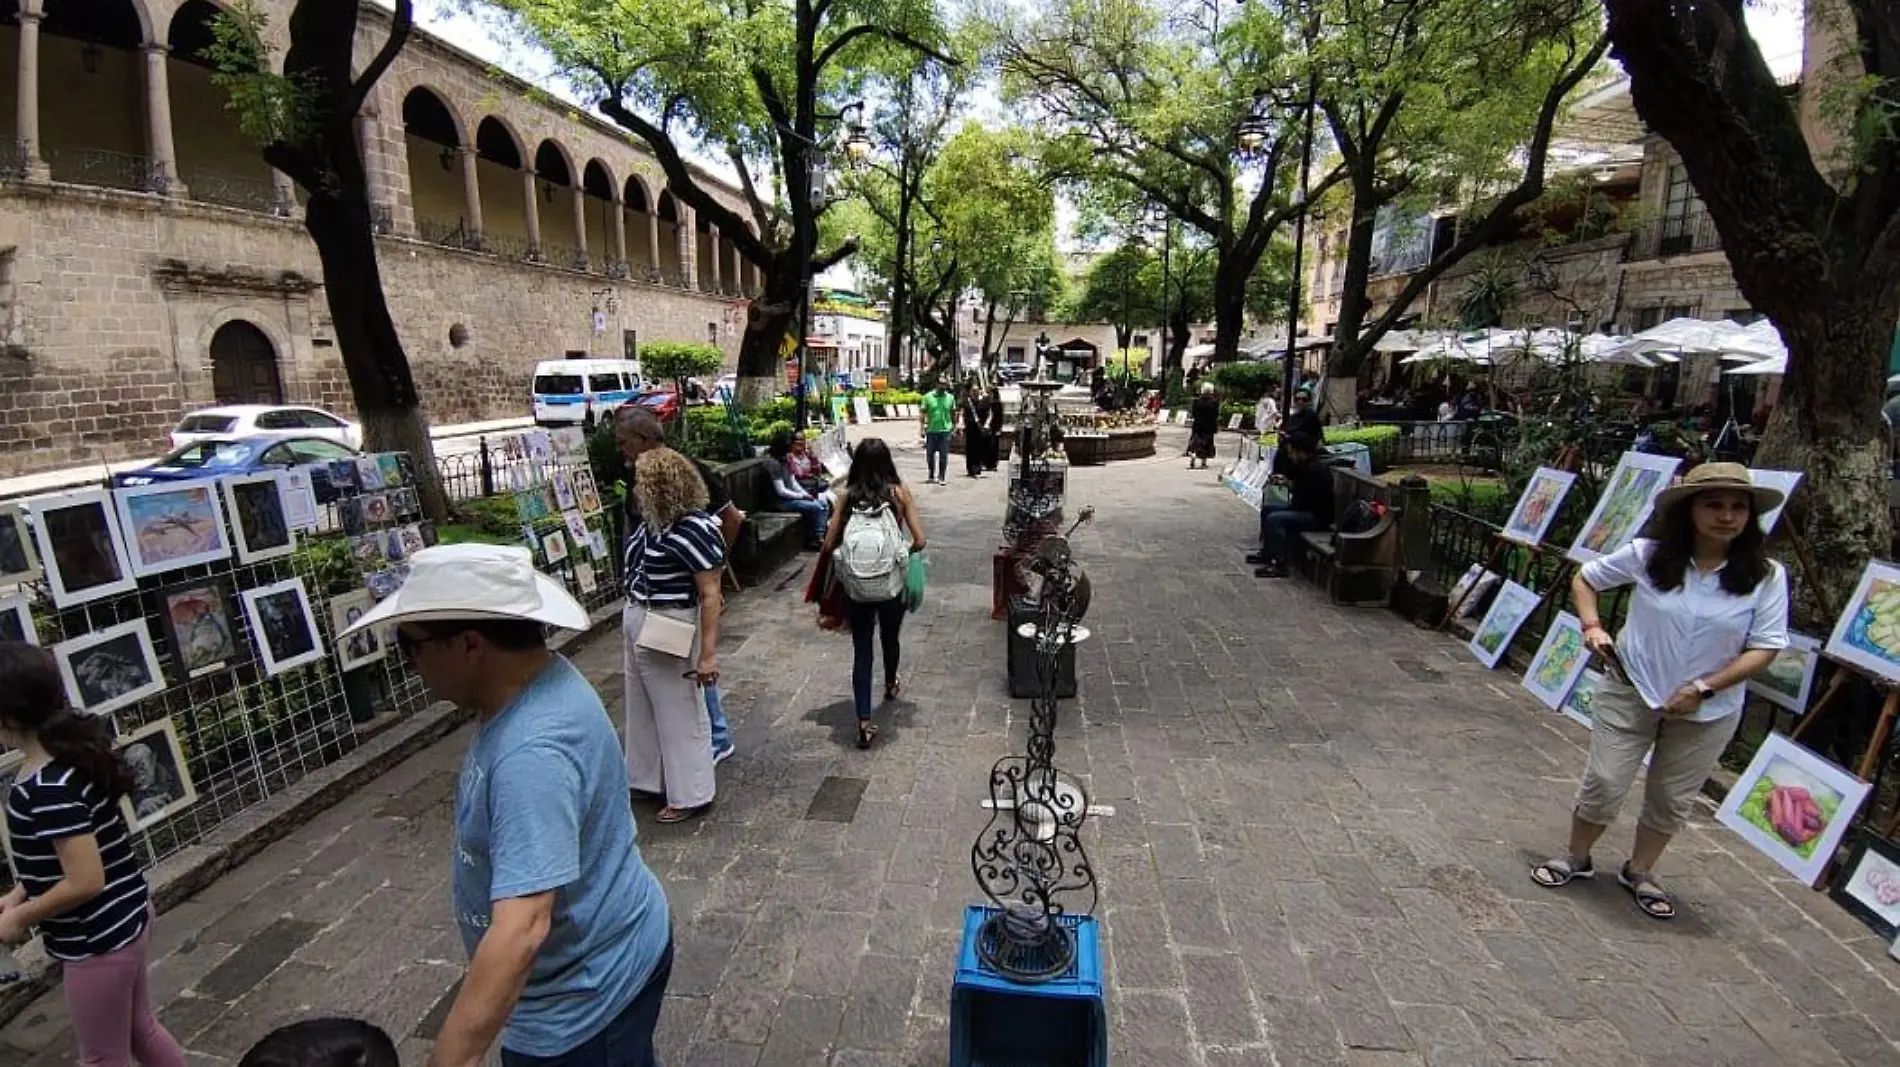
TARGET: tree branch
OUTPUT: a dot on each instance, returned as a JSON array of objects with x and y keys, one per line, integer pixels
[
  {"x": 838, "y": 44},
  {"x": 401, "y": 22},
  {"x": 682, "y": 182},
  {"x": 823, "y": 263}
]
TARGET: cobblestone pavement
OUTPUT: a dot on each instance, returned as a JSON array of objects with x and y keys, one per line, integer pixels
[{"x": 1323, "y": 820}]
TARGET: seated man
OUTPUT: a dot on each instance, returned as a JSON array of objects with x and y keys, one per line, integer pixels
[
  {"x": 793, "y": 496},
  {"x": 805, "y": 468},
  {"x": 1309, "y": 505}
]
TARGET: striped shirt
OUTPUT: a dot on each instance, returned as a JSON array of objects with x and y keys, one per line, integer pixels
[
  {"x": 54, "y": 803},
  {"x": 660, "y": 568}
]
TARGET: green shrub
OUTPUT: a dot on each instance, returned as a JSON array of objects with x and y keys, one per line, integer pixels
[
  {"x": 1247, "y": 381},
  {"x": 675, "y": 361},
  {"x": 493, "y": 516},
  {"x": 896, "y": 396},
  {"x": 762, "y": 433}
]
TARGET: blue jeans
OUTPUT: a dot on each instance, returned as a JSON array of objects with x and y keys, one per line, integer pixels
[
  {"x": 716, "y": 713},
  {"x": 1279, "y": 530},
  {"x": 817, "y": 511},
  {"x": 867, "y": 619},
  {"x": 627, "y": 1041},
  {"x": 937, "y": 454},
  {"x": 1267, "y": 510}
]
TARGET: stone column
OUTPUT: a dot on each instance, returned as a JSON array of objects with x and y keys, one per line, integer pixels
[
  {"x": 580, "y": 224},
  {"x": 653, "y": 239},
  {"x": 686, "y": 236},
  {"x": 27, "y": 117},
  {"x": 712, "y": 246},
  {"x": 532, "y": 211},
  {"x": 158, "y": 108},
  {"x": 472, "y": 191},
  {"x": 738, "y": 269},
  {"x": 620, "y": 233}
]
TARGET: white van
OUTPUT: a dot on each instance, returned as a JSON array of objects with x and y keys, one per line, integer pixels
[{"x": 579, "y": 392}]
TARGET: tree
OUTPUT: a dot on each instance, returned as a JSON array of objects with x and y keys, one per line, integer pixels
[
  {"x": 1115, "y": 290},
  {"x": 1820, "y": 259},
  {"x": 1155, "y": 107},
  {"x": 1432, "y": 102},
  {"x": 305, "y": 120},
  {"x": 752, "y": 82}
]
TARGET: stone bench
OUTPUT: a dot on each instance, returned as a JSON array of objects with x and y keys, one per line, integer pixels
[
  {"x": 1360, "y": 568},
  {"x": 768, "y": 537}
]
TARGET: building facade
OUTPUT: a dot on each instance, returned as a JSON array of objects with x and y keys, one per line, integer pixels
[{"x": 150, "y": 262}]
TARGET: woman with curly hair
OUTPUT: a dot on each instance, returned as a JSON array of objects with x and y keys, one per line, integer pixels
[{"x": 673, "y": 563}]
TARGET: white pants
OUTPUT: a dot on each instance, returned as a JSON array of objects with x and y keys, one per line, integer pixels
[{"x": 668, "y": 737}]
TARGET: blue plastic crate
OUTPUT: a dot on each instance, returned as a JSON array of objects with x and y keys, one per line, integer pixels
[{"x": 996, "y": 1022}]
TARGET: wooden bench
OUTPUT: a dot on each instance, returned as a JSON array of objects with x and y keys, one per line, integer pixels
[
  {"x": 1357, "y": 568},
  {"x": 768, "y": 537}
]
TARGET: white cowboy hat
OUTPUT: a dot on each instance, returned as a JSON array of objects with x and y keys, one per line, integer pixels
[
  {"x": 475, "y": 582},
  {"x": 1710, "y": 476}
]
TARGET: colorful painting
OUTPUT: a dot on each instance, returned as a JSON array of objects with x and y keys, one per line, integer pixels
[
  {"x": 1633, "y": 487},
  {"x": 369, "y": 474},
  {"x": 554, "y": 547},
  {"x": 412, "y": 542},
  {"x": 81, "y": 547},
  {"x": 563, "y": 492},
  {"x": 19, "y": 564},
  {"x": 172, "y": 525},
  {"x": 1787, "y": 482},
  {"x": 1868, "y": 885},
  {"x": 368, "y": 550},
  {"x": 570, "y": 444},
  {"x": 376, "y": 510},
  {"x": 1512, "y": 606},
  {"x": 1559, "y": 661},
  {"x": 577, "y": 531},
  {"x": 1868, "y": 633},
  {"x": 1580, "y": 703},
  {"x": 540, "y": 446},
  {"x": 1538, "y": 507},
  {"x": 586, "y": 492},
  {"x": 530, "y": 505},
  {"x": 389, "y": 465},
  {"x": 108, "y": 669},
  {"x": 197, "y": 620},
  {"x": 343, "y": 477},
  {"x": 1789, "y": 680},
  {"x": 1794, "y": 806}
]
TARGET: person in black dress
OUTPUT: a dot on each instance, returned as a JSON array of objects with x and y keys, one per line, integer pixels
[{"x": 1204, "y": 419}]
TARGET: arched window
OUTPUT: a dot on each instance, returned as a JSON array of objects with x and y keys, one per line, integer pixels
[
  {"x": 433, "y": 139},
  {"x": 94, "y": 125},
  {"x": 216, "y": 160}
]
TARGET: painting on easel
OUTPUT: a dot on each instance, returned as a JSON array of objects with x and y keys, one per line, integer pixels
[{"x": 1868, "y": 632}]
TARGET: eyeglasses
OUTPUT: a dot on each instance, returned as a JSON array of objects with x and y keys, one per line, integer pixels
[{"x": 408, "y": 645}]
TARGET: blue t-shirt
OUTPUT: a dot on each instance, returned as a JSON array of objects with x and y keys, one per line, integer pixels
[{"x": 542, "y": 804}]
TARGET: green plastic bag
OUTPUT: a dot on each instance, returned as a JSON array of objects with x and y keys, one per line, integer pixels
[{"x": 914, "y": 581}]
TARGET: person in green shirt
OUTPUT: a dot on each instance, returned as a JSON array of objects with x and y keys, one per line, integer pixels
[{"x": 939, "y": 418}]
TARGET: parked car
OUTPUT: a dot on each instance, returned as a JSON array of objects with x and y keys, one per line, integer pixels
[
  {"x": 663, "y": 403},
  {"x": 266, "y": 420},
  {"x": 215, "y": 457}
]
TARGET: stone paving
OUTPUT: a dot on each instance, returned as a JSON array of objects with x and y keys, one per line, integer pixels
[{"x": 1323, "y": 820}]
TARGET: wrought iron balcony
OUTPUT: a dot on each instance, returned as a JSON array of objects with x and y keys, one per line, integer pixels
[
  {"x": 451, "y": 235},
  {"x": 1678, "y": 236},
  {"x": 233, "y": 190},
  {"x": 109, "y": 170},
  {"x": 13, "y": 160}
]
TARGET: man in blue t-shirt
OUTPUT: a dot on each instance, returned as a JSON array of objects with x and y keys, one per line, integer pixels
[{"x": 568, "y": 932}]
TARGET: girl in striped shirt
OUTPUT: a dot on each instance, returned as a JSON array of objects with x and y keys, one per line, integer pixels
[{"x": 79, "y": 881}]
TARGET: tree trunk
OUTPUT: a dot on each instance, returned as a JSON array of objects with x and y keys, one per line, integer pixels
[
  {"x": 1230, "y": 305},
  {"x": 900, "y": 277},
  {"x": 381, "y": 380},
  {"x": 1176, "y": 357},
  {"x": 1828, "y": 425},
  {"x": 1339, "y": 394},
  {"x": 768, "y": 320}
]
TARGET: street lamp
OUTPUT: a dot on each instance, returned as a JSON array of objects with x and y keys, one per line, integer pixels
[
  {"x": 1159, "y": 213},
  {"x": 1253, "y": 133}
]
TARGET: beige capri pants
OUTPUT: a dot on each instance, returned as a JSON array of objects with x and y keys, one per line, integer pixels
[
  {"x": 669, "y": 737},
  {"x": 1623, "y": 730}
]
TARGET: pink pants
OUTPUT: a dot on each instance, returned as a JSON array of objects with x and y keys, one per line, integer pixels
[{"x": 111, "y": 1009}]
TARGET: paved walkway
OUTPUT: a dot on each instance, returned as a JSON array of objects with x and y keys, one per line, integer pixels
[{"x": 1323, "y": 821}]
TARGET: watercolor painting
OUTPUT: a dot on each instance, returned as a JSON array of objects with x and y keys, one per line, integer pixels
[
  {"x": 172, "y": 525},
  {"x": 1789, "y": 680},
  {"x": 1512, "y": 606},
  {"x": 1538, "y": 507},
  {"x": 1625, "y": 505},
  {"x": 1559, "y": 661},
  {"x": 1868, "y": 632},
  {"x": 1793, "y": 805},
  {"x": 1868, "y": 885}
]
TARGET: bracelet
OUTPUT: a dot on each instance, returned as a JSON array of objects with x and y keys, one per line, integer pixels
[{"x": 1588, "y": 626}]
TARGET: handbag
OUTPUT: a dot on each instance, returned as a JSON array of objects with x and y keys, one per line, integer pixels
[{"x": 660, "y": 633}]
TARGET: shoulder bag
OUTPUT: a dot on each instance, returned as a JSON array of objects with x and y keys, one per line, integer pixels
[{"x": 661, "y": 633}]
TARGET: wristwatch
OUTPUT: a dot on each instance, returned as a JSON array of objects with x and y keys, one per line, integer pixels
[{"x": 1702, "y": 689}]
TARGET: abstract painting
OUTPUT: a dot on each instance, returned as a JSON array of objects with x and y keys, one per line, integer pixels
[
  {"x": 198, "y": 627},
  {"x": 1624, "y": 506},
  {"x": 258, "y": 517},
  {"x": 1559, "y": 661},
  {"x": 283, "y": 625}
]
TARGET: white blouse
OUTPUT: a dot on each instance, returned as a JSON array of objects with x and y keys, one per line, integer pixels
[{"x": 1671, "y": 639}]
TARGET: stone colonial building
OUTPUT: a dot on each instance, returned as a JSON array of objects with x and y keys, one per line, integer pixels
[{"x": 151, "y": 263}]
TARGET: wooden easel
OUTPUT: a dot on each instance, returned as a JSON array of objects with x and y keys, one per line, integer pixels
[{"x": 1883, "y": 728}]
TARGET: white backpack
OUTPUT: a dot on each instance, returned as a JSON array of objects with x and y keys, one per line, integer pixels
[{"x": 871, "y": 555}]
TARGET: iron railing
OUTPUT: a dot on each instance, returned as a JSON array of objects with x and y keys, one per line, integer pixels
[
  {"x": 14, "y": 157},
  {"x": 1682, "y": 235},
  {"x": 452, "y": 235},
  {"x": 233, "y": 190},
  {"x": 508, "y": 247},
  {"x": 109, "y": 170}
]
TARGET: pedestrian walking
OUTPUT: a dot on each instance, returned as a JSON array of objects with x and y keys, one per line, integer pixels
[
  {"x": 937, "y": 419},
  {"x": 324, "y": 1043},
  {"x": 870, "y": 553},
  {"x": 1203, "y": 424},
  {"x": 993, "y": 429},
  {"x": 1708, "y": 612},
  {"x": 637, "y": 430},
  {"x": 79, "y": 880},
  {"x": 671, "y": 626},
  {"x": 972, "y": 417},
  {"x": 569, "y": 938}
]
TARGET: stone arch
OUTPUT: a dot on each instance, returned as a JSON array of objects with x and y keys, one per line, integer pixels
[
  {"x": 245, "y": 365},
  {"x": 555, "y": 183},
  {"x": 433, "y": 136},
  {"x": 598, "y": 205},
  {"x": 94, "y": 126},
  {"x": 501, "y": 157},
  {"x": 667, "y": 211},
  {"x": 217, "y": 161},
  {"x": 636, "y": 204}
]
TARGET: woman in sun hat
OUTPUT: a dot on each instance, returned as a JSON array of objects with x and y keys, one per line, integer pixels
[
  {"x": 1709, "y": 610},
  {"x": 567, "y": 929}
]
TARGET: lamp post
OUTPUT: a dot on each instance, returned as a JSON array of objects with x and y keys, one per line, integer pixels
[
  {"x": 855, "y": 147},
  {"x": 1299, "y": 245},
  {"x": 1160, "y": 214}
]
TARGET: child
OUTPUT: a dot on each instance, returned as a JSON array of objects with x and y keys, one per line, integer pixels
[
  {"x": 323, "y": 1043},
  {"x": 80, "y": 882}
]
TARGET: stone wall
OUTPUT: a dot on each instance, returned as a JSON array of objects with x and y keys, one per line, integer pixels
[{"x": 115, "y": 298}]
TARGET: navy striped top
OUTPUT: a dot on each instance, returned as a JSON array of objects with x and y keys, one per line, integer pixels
[
  {"x": 54, "y": 803},
  {"x": 660, "y": 568}
]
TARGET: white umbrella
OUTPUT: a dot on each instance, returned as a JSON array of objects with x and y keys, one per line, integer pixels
[{"x": 1771, "y": 365}]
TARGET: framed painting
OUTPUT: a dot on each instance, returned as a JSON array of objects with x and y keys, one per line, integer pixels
[
  {"x": 259, "y": 518},
  {"x": 1787, "y": 482},
  {"x": 1867, "y": 635},
  {"x": 10, "y": 764},
  {"x": 1868, "y": 885},
  {"x": 16, "y": 619},
  {"x": 1559, "y": 662},
  {"x": 577, "y": 533},
  {"x": 564, "y": 499},
  {"x": 364, "y": 647},
  {"x": 554, "y": 547},
  {"x": 1627, "y": 498},
  {"x": 1580, "y": 703},
  {"x": 1793, "y": 806},
  {"x": 81, "y": 548},
  {"x": 1509, "y": 609},
  {"x": 198, "y": 626},
  {"x": 300, "y": 497},
  {"x": 1537, "y": 508},
  {"x": 19, "y": 564},
  {"x": 586, "y": 492},
  {"x": 161, "y": 780},
  {"x": 110, "y": 668},
  {"x": 169, "y": 525},
  {"x": 1789, "y": 680},
  {"x": 283, "y": 625}
]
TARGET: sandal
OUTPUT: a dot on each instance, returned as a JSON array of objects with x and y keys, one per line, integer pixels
[
  {"x": 892, "y": 688},
  {"x": 671, "y": 814},
  {"x": 1562, "y": 871},
  {"x": 1650, "y": 897},
  {"x": 867, "y": 732}
]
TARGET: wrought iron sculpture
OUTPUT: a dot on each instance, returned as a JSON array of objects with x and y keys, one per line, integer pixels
[{"x": 1029, "y": 860}]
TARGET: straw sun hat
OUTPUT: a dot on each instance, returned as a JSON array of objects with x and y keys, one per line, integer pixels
[
  {"x": 1718, "y": 476},
  {"x": 475, "y": 582}
]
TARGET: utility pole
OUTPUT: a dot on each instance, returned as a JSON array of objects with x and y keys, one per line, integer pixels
[{"x": 1299, "y": 249}]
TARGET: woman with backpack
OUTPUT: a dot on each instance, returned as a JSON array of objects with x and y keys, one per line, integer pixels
[
  {"x": 79, "y": 879},
  {"x": 870, "y": 553}
]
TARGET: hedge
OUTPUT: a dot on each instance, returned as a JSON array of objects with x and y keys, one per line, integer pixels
[
  {"x": 1246, "y": 381},
  {"x": 1382, "y": 441}
]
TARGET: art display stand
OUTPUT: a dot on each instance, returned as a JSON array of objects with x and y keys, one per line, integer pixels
[
  {"x": 1883, "y": 727},
  {"x": 1500, "y": 548}
]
